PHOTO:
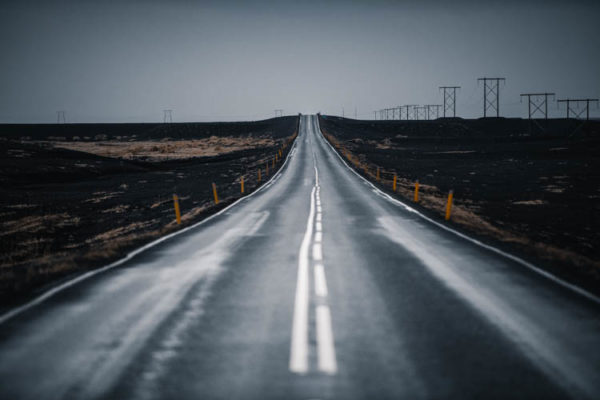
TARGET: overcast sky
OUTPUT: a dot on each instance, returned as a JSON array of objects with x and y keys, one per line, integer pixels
[{"x": 127, "y": 60}]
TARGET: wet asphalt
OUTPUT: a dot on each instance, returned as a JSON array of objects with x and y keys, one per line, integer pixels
[{"x": 315, "y": 287}]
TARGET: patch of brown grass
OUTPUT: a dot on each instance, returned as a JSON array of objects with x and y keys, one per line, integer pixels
[{"x": 168, "y": 150}]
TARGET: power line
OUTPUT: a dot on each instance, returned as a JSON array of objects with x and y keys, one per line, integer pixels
[
  {"x": 168, "y": 116},
  {"x": 491, "y": 94},
  {"x": 60, "y": 117},
  {"x": 435, "y": 107},
  {"x": 537, "y": 101},
  {"x": 449, "y": 99},
  {"x": 575, "y": 110}
]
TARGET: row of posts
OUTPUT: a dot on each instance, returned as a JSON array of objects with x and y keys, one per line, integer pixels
[
  {"x": 357, "y": 164},
  {"x": 416, "y": 193},
  {"x": 273, "y": 162}
]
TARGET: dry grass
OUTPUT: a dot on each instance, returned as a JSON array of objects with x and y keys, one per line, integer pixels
[
  {"x": 36, "y": 223},
  {"x": 465, "y": 215},
  {"x": 168, "y": 150}
]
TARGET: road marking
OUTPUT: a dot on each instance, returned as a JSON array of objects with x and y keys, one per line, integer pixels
[
  {"x": 299, "y": 343},
  {"x": 318, "y": 237},
  {"x": 326, "y": 350},
  {"x": 317, "y": 252},
  {"x": 258, "y": 224},
  {"x": 319, "y": 217},
  {"x": 320, "y": 282},
  {"x": 319, "y": 209},
  {"x": 52, "y": 292},
  {"x": 319, "y": 227},
  {"x": 477, "y": 242}
]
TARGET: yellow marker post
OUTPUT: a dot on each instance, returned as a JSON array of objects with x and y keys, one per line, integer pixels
[
  {"x": 378, "y": 178},
  {"x": 177, "y": 212},
  {"x": 242, "y": 184},
  {"x": 279, "y": 153},
  {"x": 267, "y": 169},
  {"x": 416, "y": 198},
  {"x": 215, "y": 193},
  {"x": 449, "y": 205},
  {"x": 259, "y": 177},
  {"x": 273, "y": 163},
  {"x": 394, "y": 184}
]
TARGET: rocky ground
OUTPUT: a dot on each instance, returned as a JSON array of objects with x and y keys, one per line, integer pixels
[
  {"x": 532, "y": 187},
  {"x": 75, "y": 197}
]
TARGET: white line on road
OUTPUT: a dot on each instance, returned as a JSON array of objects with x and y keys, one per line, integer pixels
[
  {"x": 299, "y": 344},
  {"x": 318, "y": 217},
  {"x": 320, "y": 282},
  {"x": 477, "y": 242},
  {"x": 317, "y": 252},
  {"x": 326, "y": 350},
  {"x": 52, "y": 292},
  {"x": 319, "y": 209},
  {"x": 319, "y": 227},
  {"x": 318, "y": 237}
]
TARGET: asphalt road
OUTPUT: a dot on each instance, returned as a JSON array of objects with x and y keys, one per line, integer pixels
[{"x": 315, "y": 287}]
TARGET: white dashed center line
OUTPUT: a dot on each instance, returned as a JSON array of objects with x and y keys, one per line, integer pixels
[{"x": 300, "y": 347}]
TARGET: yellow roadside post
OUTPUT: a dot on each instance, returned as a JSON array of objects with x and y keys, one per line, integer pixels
[
  {"x": 394, "y": 184},
  {"x": 449, "y": 204},
  {"x": 242, "y": 184},
  {"x": 378, "y": 178},
  {"x": 177, "y": 212},
  {"x": 416, "y": 198},
  {"x": 215, "y": 193},
  {"x": 267, "y": 169},
  {"x": 273, "y": 164},
  {"x": 259, "y": 177}
]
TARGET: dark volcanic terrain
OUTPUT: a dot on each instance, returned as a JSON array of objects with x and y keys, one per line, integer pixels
[
  {"x": 532, "y": 187},
  {"x": 74, "y": 197}
]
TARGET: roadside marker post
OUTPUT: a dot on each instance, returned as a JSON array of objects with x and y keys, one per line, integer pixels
[
  {"x": 416, "y": 197},
  {"x": 267, "y": 169},
  {"x": 378, "y": 178},
  {"x": 177, "y": 212},
  {"x": 394, "y": 184},
  {"x": 215, "y": 193},
  {"x": 449, "y": 204},
  {"x": 242, "y": 184},
  {"x": 259, "y": 177},
  {"x": 273, "y": 164}
]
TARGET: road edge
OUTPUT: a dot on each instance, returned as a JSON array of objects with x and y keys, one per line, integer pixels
[
  {"x": 8, "y": 315},
  {"x": 574, "y": 288}
]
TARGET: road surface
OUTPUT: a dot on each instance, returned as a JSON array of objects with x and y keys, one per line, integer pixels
[{"x": 315, "y": 287}]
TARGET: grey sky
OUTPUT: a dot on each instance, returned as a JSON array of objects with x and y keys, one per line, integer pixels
[{"x": 126, "y": 61}]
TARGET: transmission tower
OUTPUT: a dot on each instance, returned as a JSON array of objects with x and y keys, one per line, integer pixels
[
  {"x": 60, "y": 117},
  {"x": 449, "y": 99},
  {"x": 168, "y": 116},
  {"x": 435, "y": 107},
  {"x": 576, "y": 110},
  {"x": 408, "y": 108},
  {"x": 537, "y": 102},
  {"x": 491, "y": 94}
]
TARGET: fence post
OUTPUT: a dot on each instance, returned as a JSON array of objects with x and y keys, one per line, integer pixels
[
  {"x": 416, "y": 198},
  {"x": 449, "y": 205},
  {"x": 177, "y": 212},
  {"x": 215, "y": 193}
]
